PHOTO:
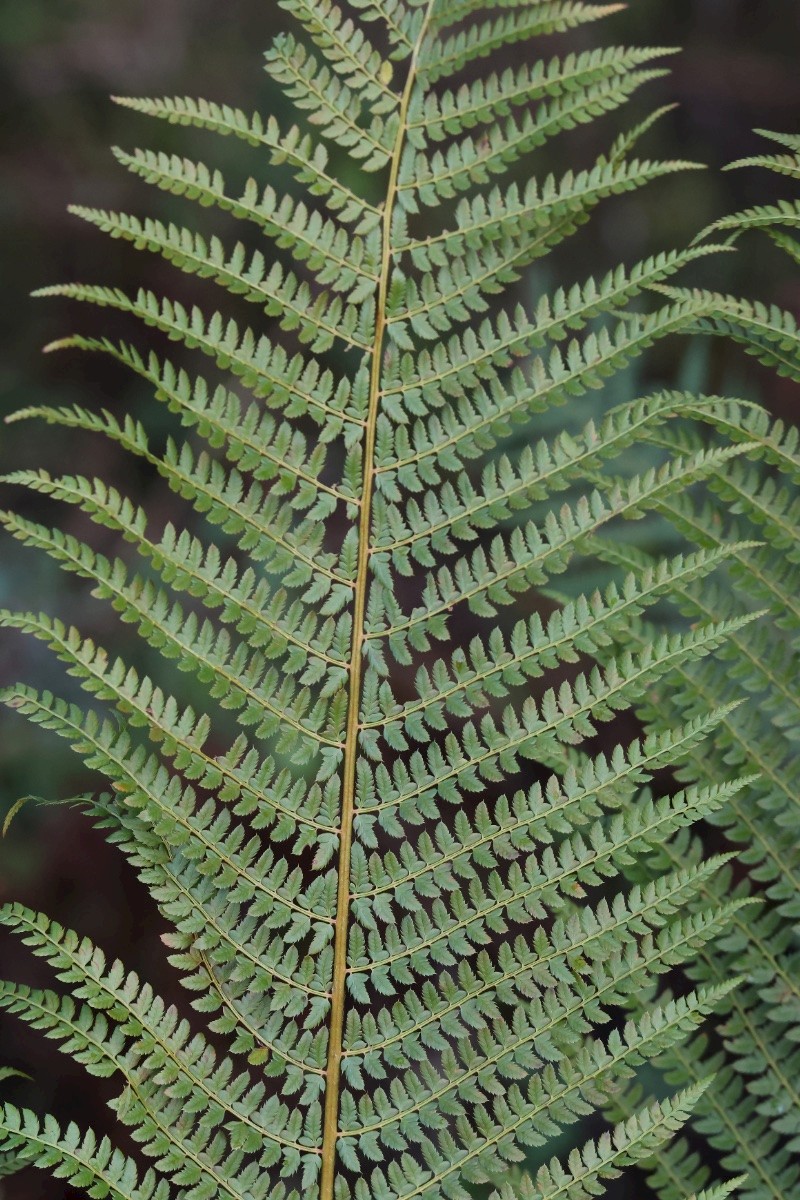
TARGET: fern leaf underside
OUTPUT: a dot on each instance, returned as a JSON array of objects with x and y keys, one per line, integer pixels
[{"x": 414, "y": 896}]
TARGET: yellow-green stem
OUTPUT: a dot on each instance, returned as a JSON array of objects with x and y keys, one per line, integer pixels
[{"x": 330, "y": 1127}]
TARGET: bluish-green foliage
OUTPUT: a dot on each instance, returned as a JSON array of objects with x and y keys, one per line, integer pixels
[
  {"x": 752, "y": 1112},
  {"x": 426, "y": 903}
]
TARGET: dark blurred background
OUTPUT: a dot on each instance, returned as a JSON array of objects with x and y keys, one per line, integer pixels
[{"x": 60, "y": 60}]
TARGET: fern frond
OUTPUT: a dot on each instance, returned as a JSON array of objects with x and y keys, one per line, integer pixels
[
  {"x": 782, "y": 164},
  {"x": 773, "y": 218},
  {"x": 543, "y": 214},
  {"x": 529, "y": 556},
  {"x": 483, "y": 37},
  {"x": 290, "y": 300},
  {"x": 445, "y": 115},
  {"x": 427, "y": 180},
  {"x": 320, "y": 244},
  {"x": 250, "y": 437},
  {"x": 274, "y": 625},
  {"x": 477, "y": 419},
  {"x": 346, "y": 47},
  {"x": 461, "y": 288},
  {"x": 626, "y": 1144},
  {"x": 764, "y": 216},
  {"x": 767, "y": 332},
  {"x": 223, "y": 500},
  {"x": 333, "y": 108},
  {"x": 308, "y": 159},
  {"x": 81, "y": 1158},
  {"x": 439, "y": 517},
  {"x": 760, "y": 1029},
  {"x": 431, "y": 920}
]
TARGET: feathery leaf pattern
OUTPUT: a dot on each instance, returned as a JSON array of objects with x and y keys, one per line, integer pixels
[{"x": 427, "y": 915}]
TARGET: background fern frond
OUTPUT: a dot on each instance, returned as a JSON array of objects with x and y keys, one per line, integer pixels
[{"x": 750, "y": 1113}]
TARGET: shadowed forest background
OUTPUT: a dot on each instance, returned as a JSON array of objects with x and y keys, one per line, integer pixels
[{"x": 60, "y": 60}]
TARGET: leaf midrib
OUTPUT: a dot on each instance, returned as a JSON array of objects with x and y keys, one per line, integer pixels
[{"x": 330, "y": 1134}]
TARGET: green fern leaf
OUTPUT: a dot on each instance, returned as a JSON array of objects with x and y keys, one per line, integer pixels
[{"x": 434, "y": 923}]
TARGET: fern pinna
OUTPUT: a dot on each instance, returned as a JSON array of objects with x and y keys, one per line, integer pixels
[{"x": 414, "y": 898}]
